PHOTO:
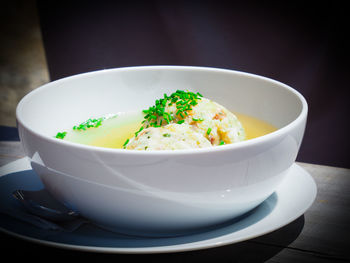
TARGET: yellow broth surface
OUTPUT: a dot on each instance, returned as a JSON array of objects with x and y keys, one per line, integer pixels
[
  {"x": 116, "y": 130},
  {"x": 254, "y": 127}
]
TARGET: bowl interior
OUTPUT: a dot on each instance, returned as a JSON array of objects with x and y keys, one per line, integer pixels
[{"x": 62, "y": 104}]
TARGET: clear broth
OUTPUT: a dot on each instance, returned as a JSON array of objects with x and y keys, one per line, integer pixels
[{"x": 115, "y": 131}]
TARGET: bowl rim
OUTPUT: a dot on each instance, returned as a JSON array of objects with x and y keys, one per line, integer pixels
[{"x": 223, "y": 148}]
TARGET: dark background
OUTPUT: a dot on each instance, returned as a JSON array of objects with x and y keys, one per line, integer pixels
[{"x": 300, "y": 44}]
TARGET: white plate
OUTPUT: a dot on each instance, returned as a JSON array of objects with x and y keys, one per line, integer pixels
[{"x": 292, "y": 198}]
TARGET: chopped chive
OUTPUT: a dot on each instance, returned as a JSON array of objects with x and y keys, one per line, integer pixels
[
  {"x": 208, "y": 131},
  {"x": 137, "y": 133},
  {"x": 90, "y": 123},
  {"x": 184, "y": 101},
  {"x": 125, "y": 143},
  {"x": 181, "y": 121},
  {"x": 166, "y": 135},
  {"x": 221, "y": 142},
  {"x": 61, "y": 135}
]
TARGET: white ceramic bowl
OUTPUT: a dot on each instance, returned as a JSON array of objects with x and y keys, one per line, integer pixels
[{"x": 160, "y": 192}]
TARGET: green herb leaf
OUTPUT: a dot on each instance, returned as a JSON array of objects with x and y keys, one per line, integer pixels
[
  {"x": 90, "y": 123},
  {"x": 208, "y": 131},
  {"x": 183, "y": 99},
  {"x": 61, "y": 135},
  {"x": 125, "y": 143},
  {"x": 137, "y": 133}
]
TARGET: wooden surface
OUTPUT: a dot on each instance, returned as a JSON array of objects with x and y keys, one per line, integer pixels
[{"x": 320, "y": 235}]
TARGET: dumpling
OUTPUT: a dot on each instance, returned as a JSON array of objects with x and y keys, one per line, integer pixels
[
  {"x": 169, "y": 137},
  {"x": 212, "y": 120}
]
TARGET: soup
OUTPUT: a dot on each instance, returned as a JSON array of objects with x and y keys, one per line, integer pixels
[
  {"x": 116, "y": 129},
  {"x": 181, "y": 120}
]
